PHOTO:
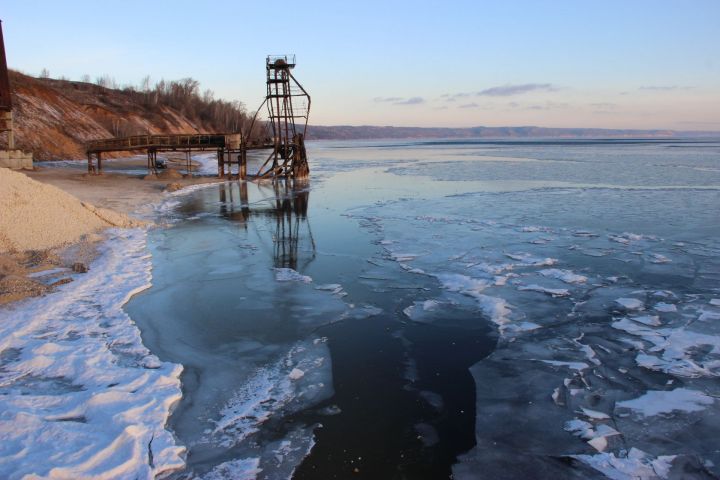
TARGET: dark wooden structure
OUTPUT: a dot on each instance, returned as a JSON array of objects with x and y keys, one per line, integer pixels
[
  {"x": 225, "y": 144},
  {"x": 6, "y": 120},
  {"x": 288, "y": 108}
]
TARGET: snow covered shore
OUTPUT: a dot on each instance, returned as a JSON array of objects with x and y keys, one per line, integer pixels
[{"x": 80, "y": 396}]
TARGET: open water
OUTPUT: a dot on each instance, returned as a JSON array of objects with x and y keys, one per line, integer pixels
[{"x": 428, "y": 309}]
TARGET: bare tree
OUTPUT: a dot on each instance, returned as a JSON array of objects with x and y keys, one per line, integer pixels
[{"x": 145, "y": 84}]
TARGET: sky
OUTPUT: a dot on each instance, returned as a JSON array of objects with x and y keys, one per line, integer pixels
[{"x": 641, "y": 64}]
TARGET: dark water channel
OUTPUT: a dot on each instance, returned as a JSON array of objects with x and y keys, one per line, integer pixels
[{"x": 405, "y": 397}]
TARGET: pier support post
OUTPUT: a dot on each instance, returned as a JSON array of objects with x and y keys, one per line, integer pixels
[
  {"x": 242, "y": 169},
  {"x": 221, "y": 163}
]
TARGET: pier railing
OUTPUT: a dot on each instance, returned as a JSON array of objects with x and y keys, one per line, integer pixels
[{"x": 165, "y": 142}]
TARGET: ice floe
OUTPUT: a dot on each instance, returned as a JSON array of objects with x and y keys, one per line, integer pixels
[
  {"x": 616, "y": 305},
  {"x": 290, "y": 275},
  {"x": 636, "y": 464},
  {"x": 630, "y": 303},
  {"x": 656, "y": 402},
  {"x": 665, "y": 307},
  {"x": 566, "y": 276}
]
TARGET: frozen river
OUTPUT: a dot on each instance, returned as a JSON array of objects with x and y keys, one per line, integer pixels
[{"x": 420, "y": 309}]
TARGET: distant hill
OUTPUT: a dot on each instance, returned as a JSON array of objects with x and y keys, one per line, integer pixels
[
  {"x": 54, "y": 118},
  {"x": 345, "y": 132}
]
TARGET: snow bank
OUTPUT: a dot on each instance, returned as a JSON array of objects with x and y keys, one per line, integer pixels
[{"x": 80, "y": 396}]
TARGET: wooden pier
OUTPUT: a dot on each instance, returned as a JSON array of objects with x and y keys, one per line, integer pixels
[
  {"x": 288, "y": 106},
  {"x": 230, "y": 149}
]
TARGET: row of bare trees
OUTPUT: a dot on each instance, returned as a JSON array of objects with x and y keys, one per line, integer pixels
[{"x": 184, "y": 96}]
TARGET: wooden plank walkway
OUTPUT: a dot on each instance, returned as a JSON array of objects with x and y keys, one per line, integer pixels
[
  {"x": 225, "y": 144},
  {"x": 200, "y": 141}
]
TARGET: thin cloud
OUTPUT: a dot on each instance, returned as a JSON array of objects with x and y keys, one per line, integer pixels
[
  {"x": 410, "y": 101},
  {"x": 664, "y": 88},
  {"x": 451, "y": 97},
  {"x": 400, "y": 100},
  {"x": 387, "y": 99},
  {"x": 604, "y": 105},
  {"x": 509, "y": 90},
  {"x": 469, "y": 105},
  {"x": 549, "y": 106}
]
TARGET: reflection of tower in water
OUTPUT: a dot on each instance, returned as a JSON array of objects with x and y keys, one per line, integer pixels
[{"x": 283, "y": 205}]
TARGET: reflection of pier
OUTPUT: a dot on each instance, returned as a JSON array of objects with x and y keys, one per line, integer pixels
[
  {"x": 284, "y": 205},
  {"x": 288, "y": 107}
]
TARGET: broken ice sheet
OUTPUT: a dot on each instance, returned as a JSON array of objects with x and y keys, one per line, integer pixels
[
  {"x": 616, "y": 317},
  {"x": 656, "y": 402}
]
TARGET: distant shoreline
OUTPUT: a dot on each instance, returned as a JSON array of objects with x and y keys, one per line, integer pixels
[{"x": 372, "y": 132}]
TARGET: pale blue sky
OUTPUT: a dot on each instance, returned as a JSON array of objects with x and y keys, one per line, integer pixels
[{"x": 616, "y": 64}]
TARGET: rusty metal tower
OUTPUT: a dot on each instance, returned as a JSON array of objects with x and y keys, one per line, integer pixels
[
  {"x": 288, "y": 106},
  {"x": 5, "y": 100}
]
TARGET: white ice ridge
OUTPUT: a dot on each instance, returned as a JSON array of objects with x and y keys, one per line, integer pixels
[
  {"x": 300, "y": 379},
  {"x": 241, "y": 469},
  {"x": 290, "y": 275},
  {"x": 553, "y": 292},
  {"x": 530, "y": 260},
  {"x": 656, "y": 402},
  {"x": 80, "y": 396},
  {"x": 635, "y": 465}
]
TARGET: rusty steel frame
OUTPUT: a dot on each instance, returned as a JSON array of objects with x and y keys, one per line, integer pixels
[{"x": 288, "y": 156}]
